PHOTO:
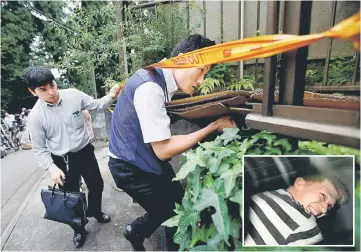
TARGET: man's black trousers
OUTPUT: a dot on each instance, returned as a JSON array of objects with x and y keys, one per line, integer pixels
[
  {"x": 83, "y": 163},
  {"x": 157, "y": 194}
]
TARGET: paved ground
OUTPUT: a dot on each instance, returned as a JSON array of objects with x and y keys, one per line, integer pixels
[
  {"x": 29, "y": 231},
  {"x": 19, "y": 173}
]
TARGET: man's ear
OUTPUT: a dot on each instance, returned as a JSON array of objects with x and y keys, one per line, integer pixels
[
  {"x": 299, "y": 183},
  {"x": 31, "y": 91}
]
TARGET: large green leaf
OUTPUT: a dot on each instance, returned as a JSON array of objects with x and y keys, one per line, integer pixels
[
  {"x": 213, "y": 164},
  {"x": 266, "y": 136},
  {"x": 188, "y": 219},
  {"x": 229, "y": 181},
  {"x": 229, "y": 134},
  {"x": 189, "y": 166},
  {"x": 233, "y": 159},
  {"x": 237, "y": 167},
  {"x": 198, "y": 235},
  {"x": 210, "y": 232},
  {"x": 201, "y": 157},
  {"x": 245, "y": 145},
  {"x": 215, "y": 240},
  {"x": 273, "y": 150},
  {"x": 235, "y": 228},
  {"x": 208, "y": 181},
  {"x": 196, "y": 184},
  {"x": 172, "y": 222},
  {"x": 284, "y": 143},
  {"x": 224, "y": 152},
  {"x": 220, "y": 217},
  {"x": 179, "y": 209},
  {"x": 183, "y": 239},
  {"x": 218, "y": 187},
  {"x": 223, "y": 167},
  {"x": 187, "y": 205}
]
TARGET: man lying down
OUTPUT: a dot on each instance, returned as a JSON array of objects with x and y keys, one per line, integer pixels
[{"x": 288, "y": 216}]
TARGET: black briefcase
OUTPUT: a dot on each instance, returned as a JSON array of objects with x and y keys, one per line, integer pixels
[{"x": 65, "y": 207}]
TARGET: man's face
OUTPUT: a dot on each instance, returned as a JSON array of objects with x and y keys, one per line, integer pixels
[
  {"x": 317, "y": 197},
  {"x": 189, "y": 78},
  {"x": 48, "y": 93}
]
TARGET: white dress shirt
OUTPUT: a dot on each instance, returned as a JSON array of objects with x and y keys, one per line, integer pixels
[{"x": 149, "y": 102}]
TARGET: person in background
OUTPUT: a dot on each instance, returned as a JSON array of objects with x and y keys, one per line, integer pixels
[
  {"x": 141, "y": 143},
  {"x": 288, "y": 217},
  {"x": 61, "y": 142},
  {"x": 24, "y": 116},
  {"x": 9, "y": 120}
]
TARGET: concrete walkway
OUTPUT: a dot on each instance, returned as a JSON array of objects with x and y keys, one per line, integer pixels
[{"x": 29, "y": 231}]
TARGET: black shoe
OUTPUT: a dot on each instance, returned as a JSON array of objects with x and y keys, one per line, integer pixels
[
  {"x": 79, "y": 238},
  {"x": 102, "y": 218},
  {"x": 135, "y": 240}
]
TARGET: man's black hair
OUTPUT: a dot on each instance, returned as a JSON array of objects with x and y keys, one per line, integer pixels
[
  {"x": 38, "y": 76},
  {"x": 191, "y": 43}
]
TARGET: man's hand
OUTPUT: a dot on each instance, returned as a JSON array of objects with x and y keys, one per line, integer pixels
[
  {"x": 57, "y": 175},
  {"x": 224, "y": 122},
  {"x": 114, "y": 91}
]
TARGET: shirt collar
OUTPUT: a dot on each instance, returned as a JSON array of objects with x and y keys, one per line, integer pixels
[
  {"x": 170, "y": 82},
  {"x": 50, "y": 104}
]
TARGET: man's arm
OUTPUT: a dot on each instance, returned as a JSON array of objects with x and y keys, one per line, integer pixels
[
  {"x": 178, "y": 144},
  {"x": 89, "y": 103},
  {"x": 43, "y": 156},
  {"x": 155, "y": 123},
  {"x": 305, "y": 236}
]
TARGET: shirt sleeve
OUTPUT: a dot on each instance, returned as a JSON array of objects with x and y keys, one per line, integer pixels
[
  {"x": 38, "y": 142},
  {"x": 89, "y": 103},
  {"x": 309, "y": 234},
  {"x": 149, "y": 103}
]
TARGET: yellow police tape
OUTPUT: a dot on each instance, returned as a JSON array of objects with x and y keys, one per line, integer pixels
[{"x": 261, "y": 46}]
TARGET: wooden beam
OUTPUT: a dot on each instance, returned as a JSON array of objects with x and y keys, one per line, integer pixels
[
  {"x": 333, "y": 134},
  {"x": 315, "y": 115}
]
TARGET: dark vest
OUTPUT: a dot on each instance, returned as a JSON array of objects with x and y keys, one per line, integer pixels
[{"x": 126, "y": 139}]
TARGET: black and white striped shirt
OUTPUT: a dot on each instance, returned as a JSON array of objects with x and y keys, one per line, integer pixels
[{"x": 276, "y": 219}]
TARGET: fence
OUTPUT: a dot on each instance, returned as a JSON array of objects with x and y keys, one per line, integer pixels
[{"x": 332, "y": 65}]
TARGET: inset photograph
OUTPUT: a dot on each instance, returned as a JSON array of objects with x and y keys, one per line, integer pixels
[{"x": 298, "y": 201}]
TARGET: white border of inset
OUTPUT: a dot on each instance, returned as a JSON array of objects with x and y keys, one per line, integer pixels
[{"x": 353, "y": 202}]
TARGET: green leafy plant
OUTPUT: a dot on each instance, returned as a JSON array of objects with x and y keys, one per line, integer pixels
[
  {"x": 209, "y": 218},
  {"x": 340, "y": 71},
  {"x": 220, "y": 78},
  {"x": 221, "y": 72},
  {"x": 152, "y": 34},
  {"x": 244, "y": 84},
  {"x": 313, "y": 76},
  {"x": 209, "y": 85},
  {"x": 329, "y": 149}
]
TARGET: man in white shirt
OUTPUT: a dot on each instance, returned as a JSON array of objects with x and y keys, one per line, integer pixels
[{"x": 141, "y": 142}]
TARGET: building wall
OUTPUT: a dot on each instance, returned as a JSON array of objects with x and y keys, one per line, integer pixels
[{"x": 320, "y": 21}]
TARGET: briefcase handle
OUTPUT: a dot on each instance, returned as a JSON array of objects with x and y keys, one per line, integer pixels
[{"x": 52, "y": 196}]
